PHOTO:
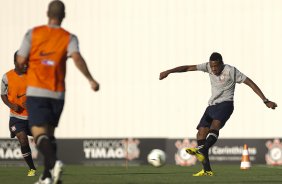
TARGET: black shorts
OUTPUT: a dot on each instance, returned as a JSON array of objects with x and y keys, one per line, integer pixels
[
  {"x": 44, "y": 111},
  {"x": 221, "y": 112},
  {"x": 17, "y": 125}
]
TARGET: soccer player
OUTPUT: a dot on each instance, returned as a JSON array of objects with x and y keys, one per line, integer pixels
[
  {"x": 223, "y": 78},
  {"x": 48, "y": 47},
  {"x": 13, "y": 94}
]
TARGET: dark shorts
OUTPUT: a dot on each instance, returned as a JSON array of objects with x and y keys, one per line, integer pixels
[
  {"x": 221, "y": 112},
  {"x": 44, "y": 111},
  {"x": 18, "y": 125}
]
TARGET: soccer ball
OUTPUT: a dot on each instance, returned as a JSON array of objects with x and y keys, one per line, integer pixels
[{"x": 156, "y": 158}]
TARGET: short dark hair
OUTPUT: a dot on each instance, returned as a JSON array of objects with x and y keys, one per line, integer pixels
[
  {"x": 215, "y": 56},
  {"x": 56, "y": 9}
]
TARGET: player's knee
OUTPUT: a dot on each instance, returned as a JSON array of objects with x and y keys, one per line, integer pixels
[
  {"x": 22, "y": 138},
  {"x": 216, "y": 125},
  {"x": 202, "y": 134}
]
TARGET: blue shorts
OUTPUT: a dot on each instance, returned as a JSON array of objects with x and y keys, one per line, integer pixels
[
  {"x": 221, "y": 112},
  {"x": 43, "y": 111},
  {"x": 17, "y": 125}
]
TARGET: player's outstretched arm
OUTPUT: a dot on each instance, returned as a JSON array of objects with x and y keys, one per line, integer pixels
[
  {"x": 82, "y": 66},
  {"x": 257, "y": 90},
  {"x": 179, "y": 69}
]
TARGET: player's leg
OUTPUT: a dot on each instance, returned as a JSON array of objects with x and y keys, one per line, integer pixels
[
  {"x": 44, "y": 145},
  {"x": 57, "y": 108},
  {"x": 200, "y": 153},
  {"x": 26, "y": 152},
  {"x": 40, "y": 114},
  {"x": 51, "y": 135},
  {"x": 203, "y": 128},
  {"x": 201, "y": 136},
  {"x": 53, "y": 142},
  {"x": 201, "y": 140},
  {"x": 53, "y": 167},
  {"x": 212, "y": 136},
  {"x": 220, "y": 113},
  {"x": 19, "y": 128}
]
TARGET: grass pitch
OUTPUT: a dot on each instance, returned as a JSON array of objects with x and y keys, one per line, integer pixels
[{"x": 75, "y": 174}]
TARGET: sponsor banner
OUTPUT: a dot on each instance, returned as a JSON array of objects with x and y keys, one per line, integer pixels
[
  {"x": 130, "y": 151},
  {"x": 227, "y": 151},
  {"x": 230, "y": 151},
  {"x": 134, "y": 151},
  {"x": 10, "y": 151}
]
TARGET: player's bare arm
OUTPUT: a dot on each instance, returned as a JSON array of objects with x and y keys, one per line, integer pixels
[
  {"x": 15, "y": 107},
  {"x": 179, "y": 69},
  {"x": 257, "y": 90},
  {"x": 82, "y": 66},
  {"x": 22, "y": 62}
]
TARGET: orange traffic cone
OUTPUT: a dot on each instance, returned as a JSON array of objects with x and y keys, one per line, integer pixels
[{"x": 245, "y": 161}]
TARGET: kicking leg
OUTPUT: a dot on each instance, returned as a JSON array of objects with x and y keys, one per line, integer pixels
[
  {"x": 211, "y": 139},
  {"x": 201, "y": 136},
  {"x": 201, "y": 140},
  {"x": 212, "y": 135}
]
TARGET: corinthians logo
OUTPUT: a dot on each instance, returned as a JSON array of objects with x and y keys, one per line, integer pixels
[
  {"x": 274, "y": 155},
  {"x": 131, "y": 149},
  {"x": 181, "y": 157}
]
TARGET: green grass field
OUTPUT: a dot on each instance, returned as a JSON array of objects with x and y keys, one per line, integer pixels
[{"x": 74, "y": 174}]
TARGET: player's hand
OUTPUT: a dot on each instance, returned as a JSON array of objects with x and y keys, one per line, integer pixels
[
  {"x": 94, "y": 85},
  {"x": 163, "y": 75},
  {"x": 16, "y": 108},
  {"x": 271, "y": 105}
]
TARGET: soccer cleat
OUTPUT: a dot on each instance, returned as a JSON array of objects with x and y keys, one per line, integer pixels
[
  {"x": 56, "y": 172},
  {"x": 200, "y": 173},
  {"x": 196, "y": 152},
  {"x": 204, "y": 173},
  {"x": 31, "y": 172},
  {"x": 209, "y": 173},
  {"x": 45, "y": 181}
]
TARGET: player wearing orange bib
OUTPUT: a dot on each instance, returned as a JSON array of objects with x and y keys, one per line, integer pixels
[
  {"x": 13, "y": 94},
  {"x": 48, "y": 48}
]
